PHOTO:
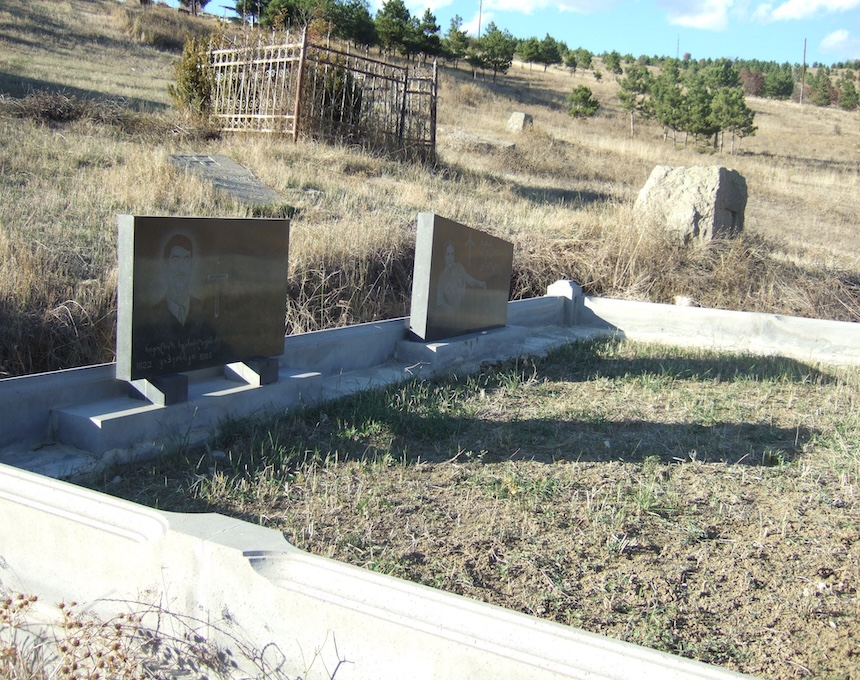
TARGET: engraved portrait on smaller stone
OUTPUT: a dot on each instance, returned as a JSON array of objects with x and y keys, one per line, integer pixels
[{"x": 461, "y": 281}]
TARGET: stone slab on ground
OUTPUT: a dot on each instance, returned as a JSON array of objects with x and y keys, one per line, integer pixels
[{"x": 228, "y": 176}]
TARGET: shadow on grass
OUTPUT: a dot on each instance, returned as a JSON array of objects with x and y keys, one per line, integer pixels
[
  {"x": 567, "y": 197},
  {"x": 450, "y": 420},
  {"x": 20, "y": 86}
]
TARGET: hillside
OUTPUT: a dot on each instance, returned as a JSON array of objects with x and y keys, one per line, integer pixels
[{"x": 99, "y": 146}]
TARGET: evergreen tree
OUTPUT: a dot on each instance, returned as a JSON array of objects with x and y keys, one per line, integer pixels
[
  {"x": 497, "y": 49},
  {"x": 635, "y": 87},
  {"x": 729, "y": 111},
  {"x": 456, "y": 42},
  {"x": 612, "y": 62},
  {"x": 721, "y": 73},
  {"x": 667, "y": 97},
  {"x": 823, "y": 92},
  {"x": 431, "y": 43},
  {"x": 529, "y": 51},
  {"x": 393, "y": 26},
  {"x": 570, "y": 61},
  {"x": 581, "y": 103},
  {"x": 194, "y": 6},
  {"x": 549, "y": 53},
  {"x": 848, "y": 97},
  {"x": 697, "y": 108},
  {"x": 353, "y": 21},
  {"x": 253, "y": 9},
  {"x": 778, "y": 83},
  {"x": 584, "y": 58}
]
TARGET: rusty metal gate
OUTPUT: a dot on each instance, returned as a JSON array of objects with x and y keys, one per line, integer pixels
[{"x": 291, "y": 87}]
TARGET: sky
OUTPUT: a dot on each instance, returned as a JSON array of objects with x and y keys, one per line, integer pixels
[{"x": 744, "y": 29}]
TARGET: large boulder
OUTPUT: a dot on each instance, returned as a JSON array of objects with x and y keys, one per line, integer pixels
[{"x": 701, "y": 203}]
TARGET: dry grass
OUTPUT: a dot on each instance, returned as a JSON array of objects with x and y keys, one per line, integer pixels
[{"x": 93, "y": 139}]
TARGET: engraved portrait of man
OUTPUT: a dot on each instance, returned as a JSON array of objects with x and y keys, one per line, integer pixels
[{"x": 178, "y": 314}]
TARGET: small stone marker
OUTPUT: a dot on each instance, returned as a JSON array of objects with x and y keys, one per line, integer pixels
[
  {"x": 701, "y": 203},
  {"x": 519, "y": 121},
  {"x": 228, "y": 176},
  {"x": 198, "y": 292},
  {"x": 461, "y": 281}
]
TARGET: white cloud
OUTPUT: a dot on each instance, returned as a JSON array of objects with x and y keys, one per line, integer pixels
[
  {"x": 836, "y": 40},
  {"x": 802, "y": 9},
  {"x": 417, "y": 7},
  {"x": 471, "y": 27},
  {"x": 841, "y": 45},
  {"x": 711, "y": 15}
]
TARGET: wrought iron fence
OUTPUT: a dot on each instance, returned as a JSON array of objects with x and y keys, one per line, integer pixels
[{"x": 289, "y": 86}]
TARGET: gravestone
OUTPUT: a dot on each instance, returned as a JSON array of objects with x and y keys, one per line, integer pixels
[
  {"x": 519, "y": 121},
  {"x": 461, "y": 280},
  {"x": 228, "y": 176},
  {"x": 198, "y": 292}
]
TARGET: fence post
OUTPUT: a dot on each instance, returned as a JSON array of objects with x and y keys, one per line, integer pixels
[
  {"x": 434, "y": 94},
  {"x": 300, "y": 84},
  {"x": 402, "y": 125}
]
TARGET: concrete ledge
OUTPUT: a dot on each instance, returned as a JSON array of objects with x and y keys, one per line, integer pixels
[
  {"x": 98, "y": 427},
  {"x": 811, "y": 340},
  {"x": 80, "y": 422},
  {"x": 234, "y": 577},
  {"x": 465, "y": 350}
]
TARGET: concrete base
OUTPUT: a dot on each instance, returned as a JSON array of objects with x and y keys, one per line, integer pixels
[
  {"x": 463, "y": 352},
  {"x": 125, "y": 423}
]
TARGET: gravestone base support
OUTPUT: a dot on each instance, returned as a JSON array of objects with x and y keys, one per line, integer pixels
[
  {"x": 162, "y": 390},
  {"x": 255, "y": 371}
]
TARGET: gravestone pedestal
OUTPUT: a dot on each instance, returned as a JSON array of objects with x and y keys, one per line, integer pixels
[
  {"x": 257, "y": 371},
  {"x": 161, "y": 390}
]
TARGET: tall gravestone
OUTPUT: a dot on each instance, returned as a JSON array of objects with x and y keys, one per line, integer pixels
[
  {"x": 198, "y": 292},
  {"x": 461, "y": 280}
]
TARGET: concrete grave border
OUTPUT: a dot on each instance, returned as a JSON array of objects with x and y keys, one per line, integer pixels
[{"x": 293, "y": 603}]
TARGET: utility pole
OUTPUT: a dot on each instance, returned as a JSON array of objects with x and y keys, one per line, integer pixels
[
  {"x": 480, "y": 11},
  {"x": 803, "y": 73}
]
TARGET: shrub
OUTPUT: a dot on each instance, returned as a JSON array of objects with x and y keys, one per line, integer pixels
[{"x": 192, "y": 91}]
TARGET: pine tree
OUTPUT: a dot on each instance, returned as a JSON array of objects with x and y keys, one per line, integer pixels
[
  {"x": 729, "y": 111},
  {"x": 497, "y": 49},
  {"x": 848, "y": 97},
  {"x": 581, "y": 103},
  {"x": 667, "y": 98},
  {"x": 456, "y": 42},
  {"x": 549, "y": 53},
  {"x": 392, "y": 26},
  {"x": 633, "y": 95}
]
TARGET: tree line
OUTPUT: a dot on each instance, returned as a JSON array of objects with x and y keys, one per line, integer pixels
[{"x": 395, "y": 30}]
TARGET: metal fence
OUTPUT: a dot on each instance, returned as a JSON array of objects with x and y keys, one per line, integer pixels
[{"x": 292, "y": 87}]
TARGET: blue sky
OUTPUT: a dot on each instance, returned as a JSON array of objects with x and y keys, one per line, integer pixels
[{"x": 746, "y": 29}]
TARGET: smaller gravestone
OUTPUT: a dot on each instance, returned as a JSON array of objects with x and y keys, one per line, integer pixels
[
  {"x": 461, "y": 281},
  {"x": 519, "y": 121},
  {"x": 228, "y": 176},
  {"x": 701, "y": 203},
  {"x": 196, "y": 293}
]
